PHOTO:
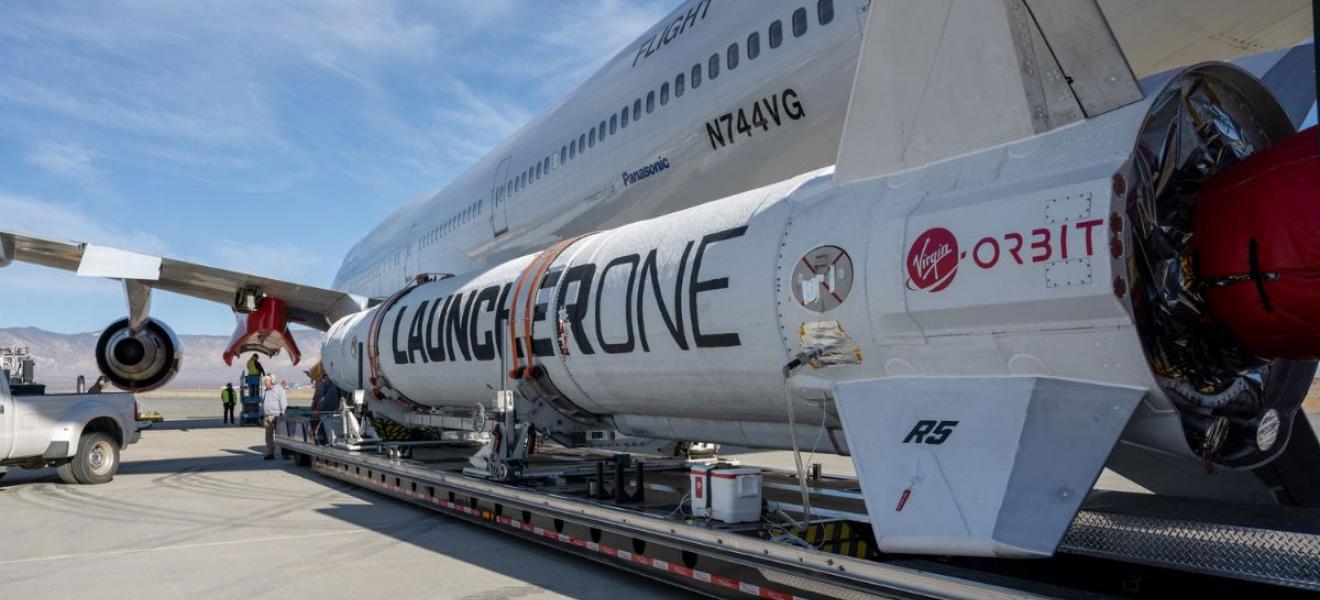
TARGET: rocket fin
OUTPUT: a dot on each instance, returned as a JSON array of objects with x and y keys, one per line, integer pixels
[{"x": 979, "y": 466}]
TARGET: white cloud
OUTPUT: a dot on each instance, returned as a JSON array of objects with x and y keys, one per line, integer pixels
[
  {"x": 431, "y": 85},
  {"x": 64, "y": 159},
  {"x": 277, "y": 260},
  {"x": 27, "y": 282},
  {"x": 53, "y": 220}
]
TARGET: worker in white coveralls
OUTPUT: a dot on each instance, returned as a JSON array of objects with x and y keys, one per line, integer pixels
[{"x": 273, "y": 404}]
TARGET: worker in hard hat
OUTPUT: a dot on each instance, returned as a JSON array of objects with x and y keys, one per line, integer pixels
[
  {"x": 254, "y": 369},
  {"x": 325, "y": 397},
  {"x": 273, "y": 404},
  {"x": 228, "y": 397},
  {"x": 254, "y": 366}
]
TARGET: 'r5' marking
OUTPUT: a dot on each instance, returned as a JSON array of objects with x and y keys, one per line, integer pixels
[{"x": 930, "y": 432}]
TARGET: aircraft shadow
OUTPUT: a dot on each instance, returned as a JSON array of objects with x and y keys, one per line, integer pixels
[
  {"x": 490, "y": 550},
  {"x": 198, "y": 423}
]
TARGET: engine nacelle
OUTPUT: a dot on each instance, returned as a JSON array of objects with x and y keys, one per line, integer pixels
[{"x": 138, "y": 362}]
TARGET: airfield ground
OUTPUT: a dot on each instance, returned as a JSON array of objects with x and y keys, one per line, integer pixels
[{"x": 196, "y": 513}]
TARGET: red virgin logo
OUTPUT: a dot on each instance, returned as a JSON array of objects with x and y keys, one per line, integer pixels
[{"x": 933, "y": 260}]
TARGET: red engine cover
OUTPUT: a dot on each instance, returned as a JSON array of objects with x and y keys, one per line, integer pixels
[
  {"x": 1257, "y": 241},
  {"x": 265, "y": 330}
]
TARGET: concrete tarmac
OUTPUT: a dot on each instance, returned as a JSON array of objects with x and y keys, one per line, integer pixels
[{"x": 196, "y": 513}]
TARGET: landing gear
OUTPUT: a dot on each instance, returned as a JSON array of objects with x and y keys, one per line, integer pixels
[{"x": 511, "y": 441}]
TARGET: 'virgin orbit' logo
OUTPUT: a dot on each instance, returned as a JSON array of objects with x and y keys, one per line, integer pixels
[{"x": 933, "y": 260}]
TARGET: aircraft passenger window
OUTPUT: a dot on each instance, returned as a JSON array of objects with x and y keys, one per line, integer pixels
[
  {"x": 545, "y": 162},
  {"x": 650, "y": 102},
  {"x": 678, "y": 86},
  {"x": 563, "y": 154},
  {"x": 538, "y": 170},
  {"x": 600, "y": 131},
  {"x": 753, "y": 45},
  {"x": 799, "y": 22},
  {"x": 731, "y": 56},
  {"x": 591, "y": 139},
  {"x": 637, "y": 109},
  {"x": 572, "y": 149},
  {"x": 664, "y": 93},
  {"x": 776, "y": 34},
  {"x": 582, "y": 143},
  {"x": 713, "y": 66},
  {"x": 614, "y": 123},
  {"x": 696, "y": 76},
  {"x": 623, "y": 119},
  {"x": 824, "y": 11}
]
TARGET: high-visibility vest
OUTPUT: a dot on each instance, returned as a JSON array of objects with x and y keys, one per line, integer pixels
[
  {"x": 227, "y": 396},
  {"x": 252, "y": 366}
]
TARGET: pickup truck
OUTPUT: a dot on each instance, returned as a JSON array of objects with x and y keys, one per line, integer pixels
[{"x": 78, "y": 434}]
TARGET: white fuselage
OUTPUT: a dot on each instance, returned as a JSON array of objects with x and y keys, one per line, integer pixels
[{"x": 769, "y": 113}]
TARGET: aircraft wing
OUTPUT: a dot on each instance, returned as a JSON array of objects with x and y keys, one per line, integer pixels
[
  {"x": 263, "y": 306},
  {"x": 942, "y": 78},
  {"x": 1158, "y": 35}
]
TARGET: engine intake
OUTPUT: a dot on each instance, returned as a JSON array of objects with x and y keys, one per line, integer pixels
[{"x": 138, "y": 362}]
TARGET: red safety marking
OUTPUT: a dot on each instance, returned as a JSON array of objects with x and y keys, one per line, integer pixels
[
  {"x": 724, "y": 582},
  {"x": 702, "y": 576}
]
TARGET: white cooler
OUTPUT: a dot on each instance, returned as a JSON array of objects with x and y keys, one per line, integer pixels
[{"x": 728, "y": 494}]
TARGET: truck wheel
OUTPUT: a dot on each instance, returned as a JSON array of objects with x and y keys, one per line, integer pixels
[
  {"x": 97, "y": 459},
  {"x": 65, "y": 471}
]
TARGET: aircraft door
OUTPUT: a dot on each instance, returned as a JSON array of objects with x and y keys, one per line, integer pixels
[
  {"x": 412, "y": 251},
  {"x": 7, "y": 419},
  {"x": 499, "y": 219}
]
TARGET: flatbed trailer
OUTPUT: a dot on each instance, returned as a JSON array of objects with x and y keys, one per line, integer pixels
[{"x": 627, "y": 512}]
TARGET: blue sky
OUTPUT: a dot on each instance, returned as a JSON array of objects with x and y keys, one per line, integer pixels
[{"x": 260, "y": 136}]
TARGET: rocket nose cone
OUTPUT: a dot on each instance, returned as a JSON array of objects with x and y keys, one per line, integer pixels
[{"x": 1257, "y": 247}]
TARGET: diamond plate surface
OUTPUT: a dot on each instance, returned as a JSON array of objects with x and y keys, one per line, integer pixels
[{"x": 1266, "y": 551}]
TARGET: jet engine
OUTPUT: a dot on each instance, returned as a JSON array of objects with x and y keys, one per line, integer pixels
[{"x": 138, "y": 361}]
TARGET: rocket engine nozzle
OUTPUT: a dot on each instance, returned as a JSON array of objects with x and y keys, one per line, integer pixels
[{"x": 1257, "y": 248}]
